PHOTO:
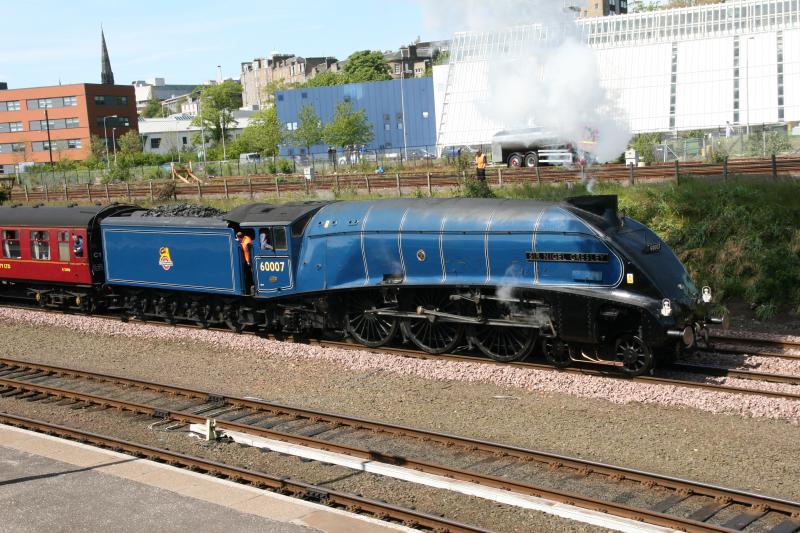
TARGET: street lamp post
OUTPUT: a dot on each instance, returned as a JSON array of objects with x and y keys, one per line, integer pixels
[
  {"x": 222, "y": 126},
  {"x": 105, "y": 138},
  {"x": 114, "y": 143},
  {"x": 403, "y": 101},
  {"x": 747, "y": 68}
]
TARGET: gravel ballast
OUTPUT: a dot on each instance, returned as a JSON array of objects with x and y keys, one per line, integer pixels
[{"x": 640, "y": 426}]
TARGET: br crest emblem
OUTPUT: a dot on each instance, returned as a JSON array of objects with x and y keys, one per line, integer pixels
[{"x": 164, "y": 258}]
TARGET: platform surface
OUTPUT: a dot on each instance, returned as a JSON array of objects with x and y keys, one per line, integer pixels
[{"x": 50, "y": 484}]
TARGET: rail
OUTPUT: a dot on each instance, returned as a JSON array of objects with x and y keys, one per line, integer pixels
[
  {"x": 747, "y": 508},
  {"x": 401, "y": 184}
]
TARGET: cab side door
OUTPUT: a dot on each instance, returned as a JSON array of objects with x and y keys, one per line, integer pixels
[{"x": 273, "y": 260}]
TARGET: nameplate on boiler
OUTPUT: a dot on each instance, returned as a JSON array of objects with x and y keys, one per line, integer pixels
[{"x": 567, "y": 257}]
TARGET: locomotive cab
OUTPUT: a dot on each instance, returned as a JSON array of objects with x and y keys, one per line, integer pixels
[
  {"x": 277, "y": 232},
  {"x": 272, "y": 260}
]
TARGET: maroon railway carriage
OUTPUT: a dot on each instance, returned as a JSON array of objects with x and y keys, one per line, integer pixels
[{"x": 52, "y": 254}]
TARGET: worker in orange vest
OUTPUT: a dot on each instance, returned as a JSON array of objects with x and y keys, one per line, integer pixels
[
  {"x": 245, "y": 241},
  {"x": 480, "y": 165}
]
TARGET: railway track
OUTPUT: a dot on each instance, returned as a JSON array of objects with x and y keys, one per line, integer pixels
[
  {"x": 283, "y": 485},
  {"x": 652, "y": 498},
  {"x": 695, "y": 369},
  {"x": 410, "y": 181}
]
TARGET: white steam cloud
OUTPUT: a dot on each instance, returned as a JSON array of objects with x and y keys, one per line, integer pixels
[{"x": 554, "y": 84}]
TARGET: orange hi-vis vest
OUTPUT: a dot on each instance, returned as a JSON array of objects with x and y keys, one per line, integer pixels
[
  {"x": 480, "y": 161},
  {"x": 246, "y": 240}
]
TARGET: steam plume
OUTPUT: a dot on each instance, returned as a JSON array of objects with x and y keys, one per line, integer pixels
[{"x": 554, "y": 83}]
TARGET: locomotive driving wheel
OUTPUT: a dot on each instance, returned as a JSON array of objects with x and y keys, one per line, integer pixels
[
  {"x": 557, "y": 352},
  {"x": 504, "y": 344},
  {"x": 635, "y": 355},
  {"x": 429, "y": 332},
  {"x": 369, "y": 329}
]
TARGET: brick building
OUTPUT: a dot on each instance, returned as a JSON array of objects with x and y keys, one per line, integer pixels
[{"x": 75, "y": 112}]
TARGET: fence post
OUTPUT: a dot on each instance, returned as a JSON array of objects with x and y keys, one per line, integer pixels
[
  {"x": 46, "y": 195},
  {"x": 199, "y": 191},
  {"x": 725, "y": 169},
  {"x": 151, "y": 189},
  {"x": 306, "y": 180},
  {"x": 66, "y": 189},
  {"x": 500, "y": 177},
  {"x": 108, "y": 196},
  {"x": 369, "y": 187},
  {"x": 128, "y": 190},
  {"x": 277, "y": 188},
  {"x": 774, "y": 167},
  {"x": 397, "y": 179},
  {"x": 538, "y": 175},
  {"x": 27, "y": 197},
  {"x": 250, "y": 186},
  {"x": 430, "y": 188},
  {"x": 631, "y": 179},
  {"x": 336, "y": 175},
  {"x": 677, "y": 172},
  {"x": 89, "y": 192},
  {"x": 225, "y": 183}
]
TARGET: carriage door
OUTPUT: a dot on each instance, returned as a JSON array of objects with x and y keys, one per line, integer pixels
[{"x": 273, "y": 263}]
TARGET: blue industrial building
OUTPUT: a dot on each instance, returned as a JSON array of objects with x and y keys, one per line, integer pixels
[{"x": 384, "y": 106}]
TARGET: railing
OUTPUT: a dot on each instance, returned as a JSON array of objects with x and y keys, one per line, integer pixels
[{"x": 408, "y": 183}]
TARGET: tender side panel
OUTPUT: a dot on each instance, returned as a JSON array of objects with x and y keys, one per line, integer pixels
[
  {"x": 45, "y": 255},
  {"x": 190, "y": 259}
]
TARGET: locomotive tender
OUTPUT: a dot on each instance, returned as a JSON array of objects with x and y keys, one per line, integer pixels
[{"x": 577, "y": 278}]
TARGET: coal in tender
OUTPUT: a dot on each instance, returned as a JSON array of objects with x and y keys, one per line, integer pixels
[{"x": 183, "y": 210}]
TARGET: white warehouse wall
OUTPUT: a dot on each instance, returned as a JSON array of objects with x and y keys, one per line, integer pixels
[
  {"x": 639, "y": 79},
  {"x": 791, "y": 75},
  {"x": 704, "y": 91}
]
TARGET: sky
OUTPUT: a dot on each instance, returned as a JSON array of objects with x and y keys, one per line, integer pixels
[{"x": 184, "y": 41}]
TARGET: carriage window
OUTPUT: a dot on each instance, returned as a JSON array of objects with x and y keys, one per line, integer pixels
[
  {"x": 280, "y": 239},
  {"x": 63, "y": 246},
  {"x": 40, "y": 245},
  {"x": 11, "y": 247}
]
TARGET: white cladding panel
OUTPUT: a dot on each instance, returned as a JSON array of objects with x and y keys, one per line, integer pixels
[
  {"x": 791, "y": 75},
  {"x": 704, "y": 90},
  {"x": 639, "y": 79},
  {"x": 759, "y": 79}
]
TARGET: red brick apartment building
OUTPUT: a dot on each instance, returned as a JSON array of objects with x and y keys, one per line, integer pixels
[{"x": 75, "y": 112}]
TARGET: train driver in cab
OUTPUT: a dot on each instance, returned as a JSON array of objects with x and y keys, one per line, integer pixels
[{"x": 264, "y": 239}]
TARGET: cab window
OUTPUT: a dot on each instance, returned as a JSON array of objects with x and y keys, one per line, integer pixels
[
  {"x": 280, "y": 239},
  {"x": 11, "y": 247},
  {"x": 63, "y": 246},
  {"x": 40, "y": 245}
]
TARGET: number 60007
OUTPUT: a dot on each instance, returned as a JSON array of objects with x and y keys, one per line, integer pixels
[{"x": 272, "y": 266}]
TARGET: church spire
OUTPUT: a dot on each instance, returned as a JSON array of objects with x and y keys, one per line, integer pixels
[{"x": 106, "y": 75}]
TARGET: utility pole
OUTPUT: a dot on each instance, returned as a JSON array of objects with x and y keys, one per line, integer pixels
[
  {"x": 403, "y": 101},
  {"x": 49, "y": 142}
]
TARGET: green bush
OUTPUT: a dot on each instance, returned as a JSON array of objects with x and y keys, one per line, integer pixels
[
  {"x": 285, "y": 166},
  {"x": 741, "y": 237},
  {"x": 117, "y": 173},
  {"x": 645, "y": 144},
  {"x": 474, "y": 188}
]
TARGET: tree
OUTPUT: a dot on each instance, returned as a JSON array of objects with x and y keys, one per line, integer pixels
[
  {"x": 326, "y": 79},
  {"x": 366, "y": 66},
  {"x": 98, "y": 147},
  {"x": 217, "y": 104},
  {"x": 309, "y": 128},
  {"x": 263, "y": 135},
  {"x": 153, "y": 108},
  {"x": 129, "y": 144},
  {"x": 348, "y": 127}
]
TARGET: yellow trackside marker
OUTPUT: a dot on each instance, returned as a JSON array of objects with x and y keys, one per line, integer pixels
[{"x": 630, "y": 279}]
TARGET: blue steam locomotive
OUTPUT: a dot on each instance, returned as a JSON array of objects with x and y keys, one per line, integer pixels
[{"x": 577, "y": 279}]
